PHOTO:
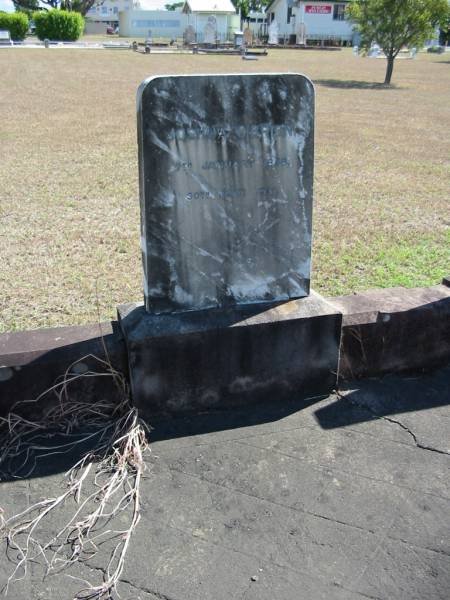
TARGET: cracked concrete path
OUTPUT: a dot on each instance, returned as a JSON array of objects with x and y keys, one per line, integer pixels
[{"x": 342, "y": 499}]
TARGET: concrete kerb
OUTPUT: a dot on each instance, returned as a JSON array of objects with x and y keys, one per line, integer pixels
[{"x": 383, "y": 331}]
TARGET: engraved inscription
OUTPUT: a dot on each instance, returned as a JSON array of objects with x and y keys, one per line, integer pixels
[
  {"x": 226, "y": 131},
  {"x": 228, "y": 164},
  {"x": 224, "y": 194}
]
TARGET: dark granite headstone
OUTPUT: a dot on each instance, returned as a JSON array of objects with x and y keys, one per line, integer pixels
[
  {"x": 226, "y": 176},
  {"x": 226, "y": 173}
]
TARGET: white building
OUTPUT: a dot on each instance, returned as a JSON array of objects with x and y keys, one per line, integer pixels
[
  {"x": 223, "y": 11},
  {"x": 323, "y": 21},
  {"x": 103, "y": 15},
  {"x": 172, "y": 24},
  {"x": 154, "y": 24}
]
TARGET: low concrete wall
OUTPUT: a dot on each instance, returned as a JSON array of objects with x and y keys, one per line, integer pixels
[
  {"x": 394, "y": 330},
  {"x": 32, "y": 361},
  {"x": 383, "y": 331}
]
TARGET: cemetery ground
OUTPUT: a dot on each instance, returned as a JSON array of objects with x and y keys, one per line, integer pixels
[
  {"x": 299, "y": 495},
  {"x": 69, "y": 192},
  {"x": 343, "y": 499}
]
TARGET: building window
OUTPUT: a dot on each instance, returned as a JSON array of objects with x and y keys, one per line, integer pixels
[
  {"x": 289, "y": 14},
  {"x": 339, "y": 12},
  {"x": 104, "y": 10},
  {"x": 115, "y": 10},
  {"x": 156, "y": 23}
]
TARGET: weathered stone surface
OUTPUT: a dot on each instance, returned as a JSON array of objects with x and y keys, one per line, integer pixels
[
  {"x": 225, "y": 357},
  {"x": 32, "y": 361},
  {"x": 395, "y": 329},
  {"x": 226, "y": 175}
]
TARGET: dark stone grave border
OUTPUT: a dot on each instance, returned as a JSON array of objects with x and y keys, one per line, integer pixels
[{"x": 383, "y": 331}]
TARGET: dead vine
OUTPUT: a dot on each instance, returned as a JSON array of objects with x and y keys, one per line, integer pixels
[{"x": 104, "y": 483}]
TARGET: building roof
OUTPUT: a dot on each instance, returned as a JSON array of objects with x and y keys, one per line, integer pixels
[
  {"x": 209, "y": 6},
  {"x": 151, "y": 4}
]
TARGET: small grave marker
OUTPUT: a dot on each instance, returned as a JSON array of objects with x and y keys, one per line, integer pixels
[
  {"x": 273, "y": 33},
  {"x": 248, "y": 37},
  {"x": 301, "y": 34},
  {"x": 210, "y": 32},
  {"x": 189, "y": 35},
  {"x": 5, "y": 38}
]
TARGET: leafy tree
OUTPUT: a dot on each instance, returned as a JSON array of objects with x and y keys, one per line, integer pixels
[
  {"x": 33, "y": 5},
  {"x": 15, "y": 23},
  {"x": 28, "y": 7},
  {"x": 246, "y": 6},
  {"x": 80, "y": 6},
  {"x": 396, "y": 23},
  {"x": 58, "y": 25},
  {"x": 173, "y": 6},
  {"x": 444, "y": 34}
]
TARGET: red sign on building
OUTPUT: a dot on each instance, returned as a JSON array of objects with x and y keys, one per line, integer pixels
[{"x": 318, "y": 10}]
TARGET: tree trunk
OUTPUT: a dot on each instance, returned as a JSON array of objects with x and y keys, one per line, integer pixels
[{"x": 389, "y": 69}]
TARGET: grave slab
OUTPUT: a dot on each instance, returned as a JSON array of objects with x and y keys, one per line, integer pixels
[{"x": 228, "y": 357}]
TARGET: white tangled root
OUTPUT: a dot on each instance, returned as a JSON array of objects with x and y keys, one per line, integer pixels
[{"x": 104, "y": 483}]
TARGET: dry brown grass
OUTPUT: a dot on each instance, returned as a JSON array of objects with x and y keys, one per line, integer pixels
[{"x": 69, "y": 194}]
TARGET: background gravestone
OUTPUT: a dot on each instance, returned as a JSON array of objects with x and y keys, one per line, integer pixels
[
  {"x": 189, "y": 35},
  {"x": 210, "y": 31},
  {"x": 248, "y": 37},
  {"x": 226, "y": 176},
  {"x": 301, "y": 34},
  {"x": 273, "y": 33}
]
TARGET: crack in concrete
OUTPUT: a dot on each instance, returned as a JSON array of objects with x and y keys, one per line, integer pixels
[
  {"x": 140, "y": 588},
  {"x": 154, "y": 593},
  {"x": 317, "y": 578},
  {"x": 370, "y": 410},
  {"x": 268, "y": 501},
  {"x": 325, "y": 468}
]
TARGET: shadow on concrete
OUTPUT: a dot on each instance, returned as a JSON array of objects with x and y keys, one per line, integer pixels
[
  {"x": 48, "y": 454},
  {"x": 222, "y": 420},
  {"x": 51, "y": 452},
  {"x": 351, "y": 84},
  {"x": 377, "y": 398}
]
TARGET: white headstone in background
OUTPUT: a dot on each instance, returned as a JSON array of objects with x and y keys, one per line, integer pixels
[
  {"x": 210, "y": 32},
  {"x": 356, "y": 50},
  {"x": 301, "y": 34},
  {"x": 374, "y": 51},
  {"x": 5, "y": 37},
  {"x": 248, "y": 37},
  {"x": 189, "y": 35},
  {"x": 273, "y": 32}
]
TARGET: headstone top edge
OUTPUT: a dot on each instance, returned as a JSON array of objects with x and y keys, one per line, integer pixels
[{"x": 144, "y": 84}]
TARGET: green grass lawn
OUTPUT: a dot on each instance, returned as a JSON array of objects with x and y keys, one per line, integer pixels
[{"x": 69, "y": 215}]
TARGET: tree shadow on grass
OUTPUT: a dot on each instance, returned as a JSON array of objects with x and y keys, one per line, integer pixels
[{"x": 351, "y": 84}]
